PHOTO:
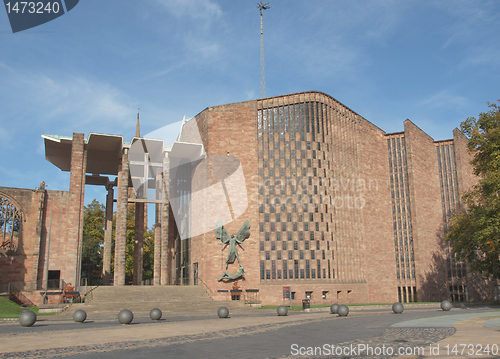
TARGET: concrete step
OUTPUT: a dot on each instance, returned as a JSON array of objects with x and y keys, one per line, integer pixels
[
  {"x": 108, "y": 301},
  {"x": 125, "y": 294}
]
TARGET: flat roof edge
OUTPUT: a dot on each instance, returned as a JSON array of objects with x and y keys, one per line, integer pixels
[{"x": 56, "y": 138}]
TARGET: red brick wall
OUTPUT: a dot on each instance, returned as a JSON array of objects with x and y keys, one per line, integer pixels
[
  {"x": 465, "y": 174},
  {"x": 377, "y": 218},
  {"x": 229, "y": 128},
  {"x": 365, "y": 257},
  {"x": 21, "y": 268},
  {"x": 56, "y": 225},
  {"x": 26, "y": 269},
  {"x": 426, "y": 214},
  {"x": 75, "y": 209},
  {"x": 363, "y": 237}
]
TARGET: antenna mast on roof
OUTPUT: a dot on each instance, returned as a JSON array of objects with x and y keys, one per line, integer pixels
[{"x": 261, "y": 7}]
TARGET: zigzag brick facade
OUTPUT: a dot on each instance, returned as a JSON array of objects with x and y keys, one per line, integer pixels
[{"x": 358, "y": 226}]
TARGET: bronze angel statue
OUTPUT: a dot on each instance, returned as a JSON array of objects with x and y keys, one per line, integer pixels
[{"x": 243, "y": 233}]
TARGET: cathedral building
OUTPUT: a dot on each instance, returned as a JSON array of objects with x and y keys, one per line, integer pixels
[{"x": 294, "y": 194}]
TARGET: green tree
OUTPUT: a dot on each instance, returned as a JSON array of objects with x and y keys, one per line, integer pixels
[
  {"x": 148, "y": 256},
  {"x": 474, "y": 233},
  {"x": 92, "y": 243},
  {"x": 148, "y": 249},
  {"x": 129, "y": 251}
]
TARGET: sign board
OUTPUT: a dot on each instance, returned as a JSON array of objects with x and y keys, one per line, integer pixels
[{"x": 286, "y": 292}]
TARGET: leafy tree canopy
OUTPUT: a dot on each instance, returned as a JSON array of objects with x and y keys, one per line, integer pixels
[
  {"x": 148, "y": 249},
  {"x": 93, "y": 244},
  {"x": 93, "y": 239},
  {"x": 475, "y": 230}
]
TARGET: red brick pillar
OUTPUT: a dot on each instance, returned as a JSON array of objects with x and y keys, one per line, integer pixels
[
  {"x": 158, "y": 279},
  {"x": 121, "y": 221},
  {"x": 163, "y": 240},
  {"x": 33, "y": 283},
  {"x": 168, "y": 247},
  {"x": 72, "y": 273},
  {"x": 157, "y": 260},
  {"x": 106, "y": 257},
  {"x": 138, "y": 243}
]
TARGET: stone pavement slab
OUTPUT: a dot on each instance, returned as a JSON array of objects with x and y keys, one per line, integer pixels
[
  {"x": 445, "y": 321},
  {"x": 51, "y": 339},
  {"x": 475, "y": 337},
  {"x": 255, "y": 334}
]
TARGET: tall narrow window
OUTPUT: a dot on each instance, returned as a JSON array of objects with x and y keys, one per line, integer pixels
[{"x": 10, "y": 225}]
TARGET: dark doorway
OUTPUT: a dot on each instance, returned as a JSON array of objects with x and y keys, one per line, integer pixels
[{"x": 54, "y": 279}]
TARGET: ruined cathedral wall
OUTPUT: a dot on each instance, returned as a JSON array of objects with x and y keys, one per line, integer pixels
[
  {"x": 44, "y": 212},
  {"x": 20, "y": 268}
]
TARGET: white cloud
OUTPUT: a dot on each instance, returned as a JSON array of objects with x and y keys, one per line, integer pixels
[
  {"x": 196, "y": 9},
  {"x": 473, "y": 27},
  {"x": 376, "y": 21},
  {"x": 468, "y": 19},
  {"x": 480, "y": 56},
  {"x": 445, "y": 99},
  {"x": 5, "y": 137},
  {"x": 198, "y": 30},
  {"x": 78, "y": 97},
  {"x": 207, "y": 48},
  {"x": 334, "y": 40},
  {"x": 11, "y": 174},
  {"x": 163, "y": 72},
  {"x": 71, "y": 102}
]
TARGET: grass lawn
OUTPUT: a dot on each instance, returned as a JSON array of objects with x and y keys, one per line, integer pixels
[{"x": 9, "y": 309}]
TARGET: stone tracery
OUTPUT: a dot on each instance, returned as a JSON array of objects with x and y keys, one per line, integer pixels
[{"x": 10, "y": 225}]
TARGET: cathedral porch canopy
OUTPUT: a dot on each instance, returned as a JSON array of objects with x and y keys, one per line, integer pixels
[{"x": 103, "y": 152}]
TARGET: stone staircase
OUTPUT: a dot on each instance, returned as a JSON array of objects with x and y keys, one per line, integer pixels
[{"x": 107, "y": 301}]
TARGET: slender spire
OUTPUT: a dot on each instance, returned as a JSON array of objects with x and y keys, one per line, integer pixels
[{"x": 138, "y": 127}]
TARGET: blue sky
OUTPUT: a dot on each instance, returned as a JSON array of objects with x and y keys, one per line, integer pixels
[{"x": 434, "y": 62}]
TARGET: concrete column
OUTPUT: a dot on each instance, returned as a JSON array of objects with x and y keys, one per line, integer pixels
[
  {"x": 165, "y": 229},
  {"x": 158, "y": 278},
  {"x": 164, "y": 244},
  {"x": 159, "y": 274},
  {"x": 121, "y": 221},
  {"x": 138, "y": 243},
  {"x": 108, "y": 232},
  {"x": 40, "y": 245},
  {"x": 157, "y": 260},
  {"x": 75, "y": 213}
]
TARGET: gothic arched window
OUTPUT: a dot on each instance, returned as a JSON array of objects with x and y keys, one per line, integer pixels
[{"x": 10, "y": 225}]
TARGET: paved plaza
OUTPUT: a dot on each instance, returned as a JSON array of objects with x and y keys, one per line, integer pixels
[{"x": 419, "y": 332}]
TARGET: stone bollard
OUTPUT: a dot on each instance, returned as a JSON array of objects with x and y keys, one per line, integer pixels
[
  {"x": 155, "y": 314},
  {"x": 223, "y": 312},
  {"x": 343, "y": 310},
  {"x": 282, "y": 310},
  {"x": 334, "y": 308},
  {"x": 27, "y": 318},
  {"x": 79, "y": 316},
  {"x": 398, "y": 308},
  {"x": 446, "y": 305},
  {"x": 125, "y": 316}
]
